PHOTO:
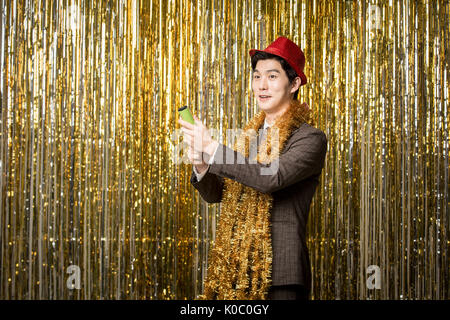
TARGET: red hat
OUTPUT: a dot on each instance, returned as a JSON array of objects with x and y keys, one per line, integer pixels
[{"x": 289, "y": 51}]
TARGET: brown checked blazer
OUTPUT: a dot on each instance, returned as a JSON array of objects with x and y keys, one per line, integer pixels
[{"x": 292, "y": 187}]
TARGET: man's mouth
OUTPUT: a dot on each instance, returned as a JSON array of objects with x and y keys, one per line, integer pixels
[{"x": 264, "y": 97}]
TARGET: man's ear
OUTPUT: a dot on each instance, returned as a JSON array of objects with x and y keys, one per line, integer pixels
[{"x": 296, "y": 84}]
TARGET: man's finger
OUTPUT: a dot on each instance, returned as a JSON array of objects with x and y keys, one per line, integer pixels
[
  {"x": 192, "y": 142},
  {"x": 197, "y": 121},
  {"x": 187, "y": 132},
  {"x": 189, "y": 140},
  {"x": 186, "y": 124}
]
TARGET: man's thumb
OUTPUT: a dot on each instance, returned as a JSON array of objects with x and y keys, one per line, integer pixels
[{"x": 197, "y": 119}]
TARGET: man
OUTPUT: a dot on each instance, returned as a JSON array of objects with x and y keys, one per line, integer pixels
[{"x": 260, "y": 247}]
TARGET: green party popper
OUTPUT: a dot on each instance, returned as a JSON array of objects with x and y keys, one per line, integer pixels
[{"x": 186, "y": 114}]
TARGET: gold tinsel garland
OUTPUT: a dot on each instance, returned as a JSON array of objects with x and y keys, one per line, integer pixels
[{"x": 241, "y": 260}]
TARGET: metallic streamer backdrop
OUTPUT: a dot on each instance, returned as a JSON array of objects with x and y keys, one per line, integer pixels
[{"x": 89, "y": 93}]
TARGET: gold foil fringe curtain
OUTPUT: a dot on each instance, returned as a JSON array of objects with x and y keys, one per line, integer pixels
[{"x": 93, "y": 204}]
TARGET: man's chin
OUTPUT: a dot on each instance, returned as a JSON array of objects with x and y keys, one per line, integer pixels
[{"x": 264, "y": 106}]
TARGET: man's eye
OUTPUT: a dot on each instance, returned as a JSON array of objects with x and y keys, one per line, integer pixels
[
  {"x": 273, "y": 76},
  {"x": 255, "y": 76}
]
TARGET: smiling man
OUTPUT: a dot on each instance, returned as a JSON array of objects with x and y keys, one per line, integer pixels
[{"x": 260, "y": 247}]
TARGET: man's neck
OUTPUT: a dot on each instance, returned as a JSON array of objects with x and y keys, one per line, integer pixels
[{"x": 271, "y": 117}]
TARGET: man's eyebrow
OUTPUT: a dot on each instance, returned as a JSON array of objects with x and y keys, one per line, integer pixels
[{"x": 271, "y": 70}]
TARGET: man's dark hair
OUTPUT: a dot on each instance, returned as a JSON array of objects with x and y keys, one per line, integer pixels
[{"x": 290, "y": 72}]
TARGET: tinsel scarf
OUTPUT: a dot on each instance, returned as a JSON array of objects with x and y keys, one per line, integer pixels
[{"x": 241, "y": 259}]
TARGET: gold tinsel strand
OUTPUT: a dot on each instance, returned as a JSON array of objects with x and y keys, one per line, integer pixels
[{"x": 88, "y": 178}]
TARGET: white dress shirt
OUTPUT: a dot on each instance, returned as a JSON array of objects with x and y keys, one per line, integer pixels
[{"x": 201, "y": 175}]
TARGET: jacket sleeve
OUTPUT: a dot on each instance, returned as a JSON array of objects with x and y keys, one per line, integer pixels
[
  {"x": 304, "y": 157},
  {"x": 210, "y": 186}
]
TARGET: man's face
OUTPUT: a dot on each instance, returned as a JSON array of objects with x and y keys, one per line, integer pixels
[{"x": 271, "y": 86}]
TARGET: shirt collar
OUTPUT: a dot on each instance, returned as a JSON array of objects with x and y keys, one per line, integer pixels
[{"x": 266, "y": 124}]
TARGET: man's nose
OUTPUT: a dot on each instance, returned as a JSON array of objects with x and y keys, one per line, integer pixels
[{"x": 263, "y": 83}]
